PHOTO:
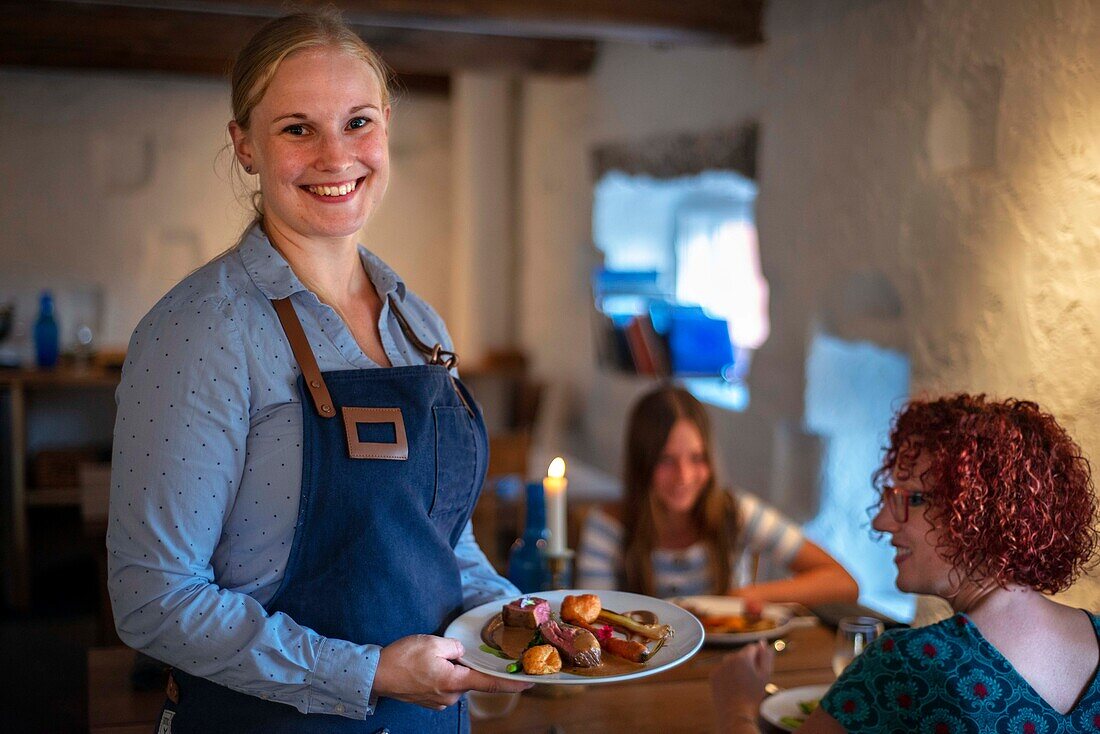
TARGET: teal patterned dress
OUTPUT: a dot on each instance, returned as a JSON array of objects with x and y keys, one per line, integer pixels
[{"x": 948, "y": 679}]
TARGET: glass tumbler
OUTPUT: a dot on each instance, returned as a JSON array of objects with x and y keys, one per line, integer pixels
[{"x": 853, "y": 635}]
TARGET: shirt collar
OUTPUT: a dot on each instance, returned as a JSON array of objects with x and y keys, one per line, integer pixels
[
  {"x": 385, "y": 280},
  {"x": 272, "y": 274}
]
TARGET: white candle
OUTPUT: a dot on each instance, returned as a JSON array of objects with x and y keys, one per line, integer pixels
[{"x": 553, "y": 489}]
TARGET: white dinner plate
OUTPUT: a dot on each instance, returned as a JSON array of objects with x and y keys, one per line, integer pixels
[
  {"x": 785, "y": 703},
  {"x": 728, "y": 605},
  {"x": 686, "y": 640}
]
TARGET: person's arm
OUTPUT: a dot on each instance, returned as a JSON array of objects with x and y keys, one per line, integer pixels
[
  {"x": 480, "y": 581},
  {"x": 179, "y": 453},
  {"x": 737, "y": 688},
  {"x": 599, "y": 552},
  {"x": 816, "y": 577}
]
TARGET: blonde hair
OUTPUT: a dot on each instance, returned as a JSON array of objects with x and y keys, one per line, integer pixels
[{"x": 258, "y": 61}]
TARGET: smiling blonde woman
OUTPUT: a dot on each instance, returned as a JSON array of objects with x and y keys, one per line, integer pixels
[{"x": 296, "y": 461}]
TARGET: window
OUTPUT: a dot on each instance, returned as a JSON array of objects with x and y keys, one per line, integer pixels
[{"x": 681, "y": 258}]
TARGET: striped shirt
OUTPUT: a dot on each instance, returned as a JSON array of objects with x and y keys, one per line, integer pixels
[{"x": 686, "y": 571}]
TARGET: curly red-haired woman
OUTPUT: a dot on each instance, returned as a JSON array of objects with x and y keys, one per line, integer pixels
[{"x": 989, "y": 505}]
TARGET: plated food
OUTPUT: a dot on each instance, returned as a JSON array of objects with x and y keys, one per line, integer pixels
[
  {"x": 805, "y": 708},
  {"x": 727, "y": 621},
  {"x": 790, "y": 708},
  {"x": 582, "y": 638},
  {"x": 577, "y": 636},
  {"x": 735, "y": 623}
]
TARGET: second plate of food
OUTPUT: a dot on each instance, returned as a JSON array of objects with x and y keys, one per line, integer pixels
[
  {"x": 472, "y": 628},
  {"x": 789, "y": 709},
  {"x": 726, "y": 623}
]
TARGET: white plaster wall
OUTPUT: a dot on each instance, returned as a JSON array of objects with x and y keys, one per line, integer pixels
[
  {"x": 118, "y": 182},
  {"x": 483, "y": 276},
  {"x": 412, "y": 231},
  {"x": 951, "y": 146}
]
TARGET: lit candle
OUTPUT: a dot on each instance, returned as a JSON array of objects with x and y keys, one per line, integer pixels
[{"x": 553, "y": 489}]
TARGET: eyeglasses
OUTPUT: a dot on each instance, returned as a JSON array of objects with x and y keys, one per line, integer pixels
[{"x": 898, "y": 501}]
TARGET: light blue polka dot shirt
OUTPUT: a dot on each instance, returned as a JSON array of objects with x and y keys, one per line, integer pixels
[{"x": 207, "y": 472}]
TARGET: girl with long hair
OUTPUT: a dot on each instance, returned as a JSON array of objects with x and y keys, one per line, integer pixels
[{"x": 678, "y": 532}]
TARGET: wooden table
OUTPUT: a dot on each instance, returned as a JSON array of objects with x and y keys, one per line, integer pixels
[{"x": 676, "y": 701}]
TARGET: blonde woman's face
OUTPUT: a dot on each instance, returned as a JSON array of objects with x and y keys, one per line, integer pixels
[
  {"x": 682, "y": 470},
  {"x": 318, "y": 141}
]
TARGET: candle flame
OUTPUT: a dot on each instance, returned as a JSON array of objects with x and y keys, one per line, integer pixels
[{"x": 557, "y": 468}]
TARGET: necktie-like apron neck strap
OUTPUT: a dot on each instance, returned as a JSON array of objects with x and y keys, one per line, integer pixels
[
  {"x": 435, "y": 355},
  {"x": 307, "y": 363}
]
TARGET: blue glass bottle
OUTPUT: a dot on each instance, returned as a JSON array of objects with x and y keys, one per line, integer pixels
[
  {"x": 526, "y": 560},
  {"x": 46, "y": 333}
]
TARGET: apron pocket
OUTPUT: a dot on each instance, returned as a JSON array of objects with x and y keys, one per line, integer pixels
[{"x": 455, "y": 461}]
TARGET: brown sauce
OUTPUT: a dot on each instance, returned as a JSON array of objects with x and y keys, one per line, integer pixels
[{"x": 512, "y": 641}]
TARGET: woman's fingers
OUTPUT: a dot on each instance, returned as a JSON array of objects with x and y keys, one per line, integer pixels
[
  {"x": 763, "y": 658},
  {"x": 420, "y": 669},
  {"x": 473, "y": 680},
  {"x": 748, "y": 668},
  {"x": 737, "y": 684},
  {"x": 448, "y": 647}
]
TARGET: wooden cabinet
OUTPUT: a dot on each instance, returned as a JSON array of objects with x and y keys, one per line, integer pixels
[{"x": 43, "y": 410}]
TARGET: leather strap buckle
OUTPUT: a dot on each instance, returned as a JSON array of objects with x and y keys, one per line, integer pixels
[{"x": 443, "y": 357}]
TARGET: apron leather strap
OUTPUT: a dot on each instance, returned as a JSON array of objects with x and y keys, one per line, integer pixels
[
  {"x": 436, "y": 354},
  {"x": 299, "y": 345}
]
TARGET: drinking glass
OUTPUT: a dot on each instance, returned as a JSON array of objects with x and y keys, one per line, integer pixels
[{"x": 853, "y": 635}]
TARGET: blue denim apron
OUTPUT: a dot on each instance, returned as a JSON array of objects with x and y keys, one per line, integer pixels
[{"x": 393, "y": 460}]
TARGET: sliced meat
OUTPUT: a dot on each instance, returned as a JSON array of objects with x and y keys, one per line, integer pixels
[
  {"x": 577, "y": 647},
  {"x": 527, "y": 611}
]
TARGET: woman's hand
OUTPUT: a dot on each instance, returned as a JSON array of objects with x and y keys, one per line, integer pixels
[
  {"x": 420, "y": 669},
  {"x": 753, "y": 602},
  {"x": 737, "y": 686}
]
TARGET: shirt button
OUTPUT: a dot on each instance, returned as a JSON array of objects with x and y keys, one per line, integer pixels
[{"x": 339, "y": 708}]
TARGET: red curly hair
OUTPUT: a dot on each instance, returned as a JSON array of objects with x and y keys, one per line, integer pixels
[{"x": 1007, "y": 486}]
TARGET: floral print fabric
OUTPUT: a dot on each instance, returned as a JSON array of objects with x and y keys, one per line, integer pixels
[{"x": 948, "y": 679}]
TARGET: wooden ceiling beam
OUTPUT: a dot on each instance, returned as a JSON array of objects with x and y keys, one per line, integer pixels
[
  {"x": 645, "y": 21},
  {"x": 96, "y": 35}
]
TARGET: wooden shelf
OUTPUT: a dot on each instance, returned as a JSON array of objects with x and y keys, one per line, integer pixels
[
  {"x": 20, "y": 389},
  {"x": 54, "y": 497},
  {"x": 62, "y": 377}
]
